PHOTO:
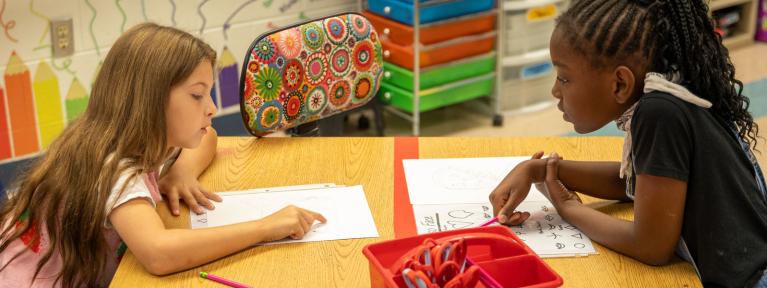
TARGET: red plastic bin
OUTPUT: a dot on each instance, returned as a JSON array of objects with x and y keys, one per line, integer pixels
[{"x": 513, "y": 266}]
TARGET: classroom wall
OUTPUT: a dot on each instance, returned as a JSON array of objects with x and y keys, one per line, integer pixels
[
  {"x": 761, "y": 22},
  {"x": 39, "y": 95}
]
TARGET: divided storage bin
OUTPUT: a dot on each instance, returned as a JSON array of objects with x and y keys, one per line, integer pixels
[{"x": 511, "y": 265}]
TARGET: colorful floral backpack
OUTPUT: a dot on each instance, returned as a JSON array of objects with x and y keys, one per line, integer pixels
[{"x": 309, "y": 71}]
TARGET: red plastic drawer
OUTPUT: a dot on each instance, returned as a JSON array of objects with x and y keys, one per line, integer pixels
[
  {"x": 441, "y": 52},
  {"x": 402, "y": 34}
]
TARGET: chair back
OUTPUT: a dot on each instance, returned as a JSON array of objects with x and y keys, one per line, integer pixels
[{"x": 309, "y": 71}]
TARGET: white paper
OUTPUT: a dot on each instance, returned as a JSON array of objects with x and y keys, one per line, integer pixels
[
  {"x": 444, "y": 217},
  {"x": 548, "y": 235},
  {"x": 345, "y": 208},
  {"x": 459, "y": 180},
  {"x": 280, "y": 189},
  {"x": 544, "y": 232}
]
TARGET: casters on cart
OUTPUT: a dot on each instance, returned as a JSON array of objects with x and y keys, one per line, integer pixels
[
  {"x": 497, "y": 121},
  {"x": 363, "y": 123}
]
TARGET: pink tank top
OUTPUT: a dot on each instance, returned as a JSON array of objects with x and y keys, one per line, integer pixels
[{"x": 19, "y": 273}]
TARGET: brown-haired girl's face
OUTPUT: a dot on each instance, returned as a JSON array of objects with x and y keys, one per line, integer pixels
[
  {"x": 585, "y": 93},
  {"x": 190, "y": 108}
]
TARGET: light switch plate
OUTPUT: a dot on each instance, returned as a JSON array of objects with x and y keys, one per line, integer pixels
[{"x": 62, "y": 37}]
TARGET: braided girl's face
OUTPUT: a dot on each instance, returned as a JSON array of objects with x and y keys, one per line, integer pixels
[{"x": 588, "y": 97}]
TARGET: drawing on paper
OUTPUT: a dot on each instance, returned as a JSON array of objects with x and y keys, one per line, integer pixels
[
  {"x": 460, "y": 214},
  {"x": 544, "y": 232},
  {"x": 445, "y": 218},
  {"x": 463, "y": 178},
  {"x": 454, "y": 224}
]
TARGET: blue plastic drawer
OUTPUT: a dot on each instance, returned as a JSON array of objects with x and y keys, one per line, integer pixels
[
  {"x": 421, "y": 1},
  {"x": 400, "y": 11}
]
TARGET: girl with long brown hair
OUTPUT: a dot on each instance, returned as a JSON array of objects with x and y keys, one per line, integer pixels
[{"x": 93, "y": 193}]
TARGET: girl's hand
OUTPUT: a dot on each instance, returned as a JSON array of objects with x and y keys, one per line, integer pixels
[
  {"x": 175, "y": 186},
  {"x": 512, "y": 190},
  {"x": 291, "y": 221},
  {"x": 557, "y": 193}
]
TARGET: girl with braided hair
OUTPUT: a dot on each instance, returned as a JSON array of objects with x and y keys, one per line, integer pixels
[{"x": 660, "y": 71}]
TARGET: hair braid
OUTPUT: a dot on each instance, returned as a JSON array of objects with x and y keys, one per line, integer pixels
[{"x": 674, "y": 36}]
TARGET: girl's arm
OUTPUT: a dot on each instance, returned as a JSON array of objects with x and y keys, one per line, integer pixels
[
  {"x": 180, "y": 182},
  {"x": 658, "y": 214},
  {"x": 163, "y": 251},
  {"x": 597, "y": 179}
]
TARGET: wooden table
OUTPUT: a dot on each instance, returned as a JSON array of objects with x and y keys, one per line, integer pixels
[{"x": 243, "y": 163}]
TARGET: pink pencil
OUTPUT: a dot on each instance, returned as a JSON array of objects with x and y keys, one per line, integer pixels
[
  {"x": 226, "y": 282},
  {"x": 491, "y": 221}
]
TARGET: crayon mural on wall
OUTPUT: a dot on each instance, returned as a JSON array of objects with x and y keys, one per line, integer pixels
[
  {"x": 5, "y": 140},
  {"x": 21, "y": 107},
  {"x": 50, "y": 115},
  {"x": 40, "y": 94}
]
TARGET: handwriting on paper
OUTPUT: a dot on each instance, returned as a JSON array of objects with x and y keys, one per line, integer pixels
[
  {"x": 544, "y": 232},
  {"x": 548, "y": 235},
  {"x": 437, "y": 218}
]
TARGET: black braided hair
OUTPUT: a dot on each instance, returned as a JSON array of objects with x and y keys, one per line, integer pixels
[{"x": 673, "y": 37}]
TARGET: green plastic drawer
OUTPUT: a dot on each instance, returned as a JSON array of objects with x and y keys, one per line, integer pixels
[
  {"x": 437, "y": 97},
  {"x": 442, "y": 74}
]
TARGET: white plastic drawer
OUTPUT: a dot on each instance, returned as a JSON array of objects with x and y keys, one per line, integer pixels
[
  {"x": 526, "y": 85},
  {"x": 528, "y": 72},
  {"x": 530, "y": 29}
]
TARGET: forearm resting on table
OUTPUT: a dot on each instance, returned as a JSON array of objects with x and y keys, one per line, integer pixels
[
  {"x": 195, "y": 161},
  {"x": 653, "y": 234},
  {"x": 619, "y": 235},
  {"x": 596, "y": 179},
  {"x": 163, "y": 251}
]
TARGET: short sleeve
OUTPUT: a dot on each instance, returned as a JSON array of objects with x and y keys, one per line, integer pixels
[
  {"x": 661, "y": 137},
  {"x": 135, "y": 189}
]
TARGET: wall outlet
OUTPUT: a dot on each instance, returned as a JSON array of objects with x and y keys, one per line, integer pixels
[{"x": 62, "y": 38}]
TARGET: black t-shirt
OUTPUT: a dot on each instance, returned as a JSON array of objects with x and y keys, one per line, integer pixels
[{"x": 725, "y": 214}]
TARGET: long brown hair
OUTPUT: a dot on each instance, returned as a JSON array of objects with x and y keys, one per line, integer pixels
[{"x": 123, "y": 129}]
